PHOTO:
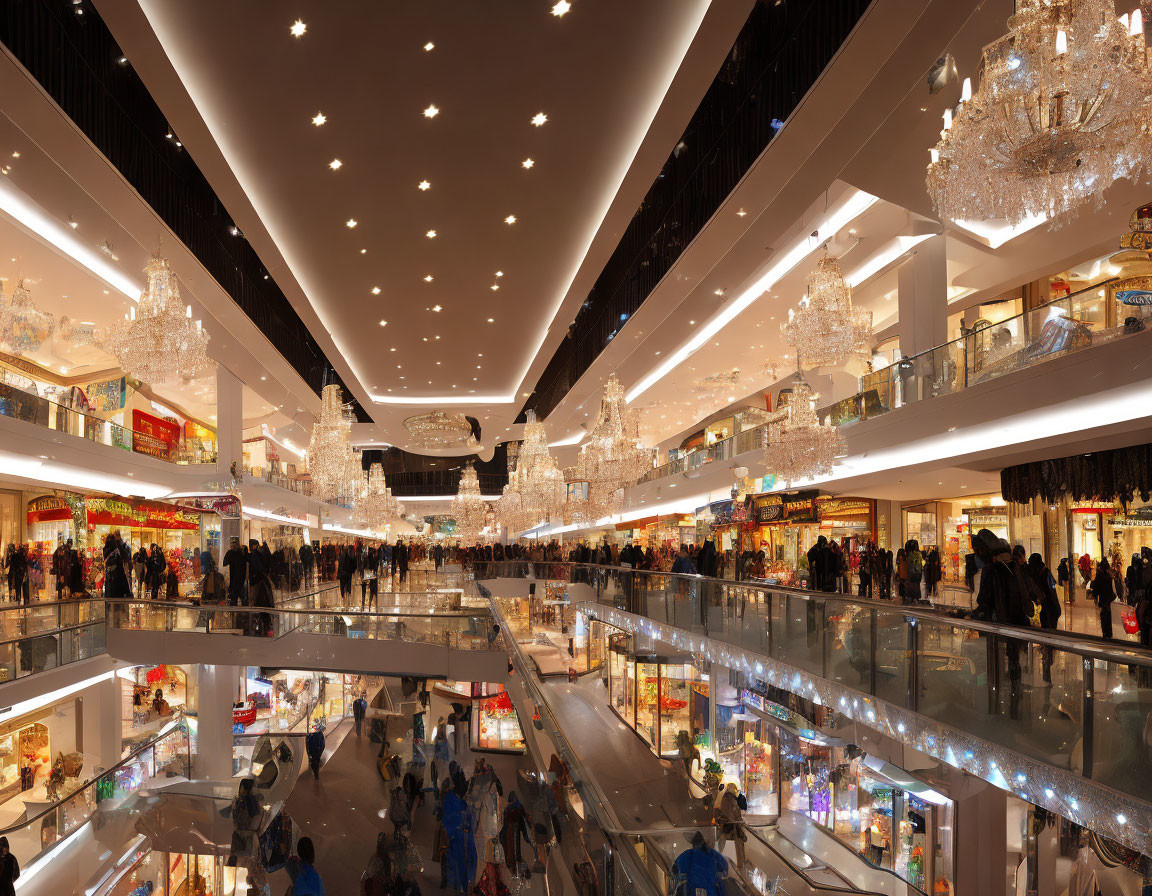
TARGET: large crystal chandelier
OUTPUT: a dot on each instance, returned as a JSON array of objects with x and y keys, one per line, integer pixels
[
  {"x": 438, "y": 430},
  {"x": 158, "y": 341},
  {"x": 23, "y": 326},
  {"x": 376, "y": 506},
  {"x": 828, "y": 329},
  {"x": 330, "y": 455},
  {"x": 1060, "y": 112},
  {"x": 801, "y": 447},
  {"x": 510, "y": 510},
  {"x": 469, "y": 508},
  {"x": 538, "y": 479},
  {"x": 613, "y": 456}
]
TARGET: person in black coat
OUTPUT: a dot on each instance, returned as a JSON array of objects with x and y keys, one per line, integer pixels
[
  {"x": 1104, "y": 590},
  {"x": 116, "y": 564},
  {"x": 9, "y": 869},
  {"x": 344, "y": 571},
  {"x": 155, "y": 567}
]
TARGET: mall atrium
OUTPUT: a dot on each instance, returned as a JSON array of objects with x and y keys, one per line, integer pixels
[{"x": 584, "y": 447}]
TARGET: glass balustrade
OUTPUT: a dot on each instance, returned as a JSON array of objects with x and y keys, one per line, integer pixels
[
  {"x": 167, "y": 754},
  {"x": 21, "y": 405},
  {"x": 1076, "y": 702},
  {"x": 1063, "y": 326}
]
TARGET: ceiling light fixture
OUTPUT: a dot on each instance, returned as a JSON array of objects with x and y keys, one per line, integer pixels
[
  {"x": 431, "y": 111},
  {"x": 561, "y": 7},
  {"x": 431, "y": 234},
  {"x": 527, "y": 163},
  {"x": 741, "y": 213},
  {"x": 335, "y": 164},
  {"x": 539, "y": 119},
  {"x": 298, "y": 28},
  {"x": 499, "y": 273},
  {"x": 319, "y": 118},
  {"x": 375, "y": 290},
  {"x": 383, "y": 323},
  {"x": 428, "y": 278},
  {"x": 436, "y": 308},
  {"x": 350, "y": 223},
  {"x": 429, "y": 47},
  {"x": 511, "y": 219},
  {"x": 494, "y": 287}
]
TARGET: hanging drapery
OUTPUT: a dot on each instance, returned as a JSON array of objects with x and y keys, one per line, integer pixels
[{"x": 1116, "y": 474}]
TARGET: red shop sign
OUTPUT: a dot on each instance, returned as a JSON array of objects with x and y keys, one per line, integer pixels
[
  {"x": 48, "y": 508},
  {"x": 139, "y": 515},
  {"x": 153, "y": 435}
]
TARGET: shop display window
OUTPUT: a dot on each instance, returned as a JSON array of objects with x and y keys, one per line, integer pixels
[
  {"x": 647, "y": 698},
  {"x": 676, "y": 697},
  {"x": 806, "y": 777},
  {"x": 495, "y": 724},
  {"x": 759, "y": 753}
]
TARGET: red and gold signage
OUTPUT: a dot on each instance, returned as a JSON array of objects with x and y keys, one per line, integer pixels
[
  {"x": 139, "y": 515},
  {"x": 48, "y": 508},
  {"x": 154, "y": 436},
  {"x": 829, "y": 507}
]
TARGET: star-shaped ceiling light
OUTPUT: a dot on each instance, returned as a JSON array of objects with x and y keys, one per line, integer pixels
[
  {"x": 539, "y": 118},
  {"x": 431, "y": 111},
  {"x": 298, "y": 28}
]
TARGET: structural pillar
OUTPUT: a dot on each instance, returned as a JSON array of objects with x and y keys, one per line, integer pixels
[
  {"x": 922, "y": 291},
  {"x": 981, "y": 850},
  {"x": 216, "y": 690},
  {"x": 229, "y": 440},
  {"x": 100, "y": 726}
]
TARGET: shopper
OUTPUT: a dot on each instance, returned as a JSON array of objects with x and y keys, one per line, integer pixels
[
  {"x": 377, "y": 877},
  {"x": 513, "y": 832},
  {"x": 314, "y": 747},
  {"x": 460, "y": 857},
  {"x": 398, "y": 810},
  {"x": 1104, "y": 590},
  {"x": 344, "y": 571},
  {"x": 154, "y": 571},
  {"x": 683, "y": 564},
  {"x": 914, "y": 564},
  {"x": 9, "y": 869},
  {"x": 1045, "y": 588},
  {"x": 730, "y": 817},
  {"x": 699, "y": 870},
  {"x": 117, "y": 563},
  {"x": 359, "y": 710},
  {"x": 236, "y": 561},
  {"x": 305, "y": 880}
]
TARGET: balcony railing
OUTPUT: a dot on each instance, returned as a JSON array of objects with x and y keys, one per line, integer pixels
[
  {"x": 1061, "y": 327},
  {"x": 41, "y": 636},
  {"x": 1069, "y": 703},
  {"x": 21, "y": 405}
]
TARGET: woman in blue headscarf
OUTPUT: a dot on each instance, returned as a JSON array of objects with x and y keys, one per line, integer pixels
[{"x": 460, "y": 826}]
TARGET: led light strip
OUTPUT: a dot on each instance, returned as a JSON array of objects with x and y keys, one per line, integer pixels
[
  {"x": 22, "y": 209},
  {"x": 847, "y": 211}
]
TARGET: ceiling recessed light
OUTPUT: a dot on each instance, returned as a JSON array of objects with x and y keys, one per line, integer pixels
[
  {"x": 431, "y": 234},
  {"x": 319, "y": 118},
  {"x": 717, "y": 292},
  {"x": 539, "y": 118},
  {"x": 383, "y": 323},
  {"x": 427, "y": 278},
  {"x": 561, "y": 7},
  {"x": 423, "y": 185},
  {"x": 425, "y": 338},
  {"x": 491, "y": 320},
  {"x": 375, "y": 290},
  {"x": 431, "y": 111},
  {"x": 363, "y": 251},
  {"x": 511, "y": 219},
  {"x": 742, "y": 212},
  {"x": 499, "y": 273},
  {"x": 392, "y": 349},
  {"x": 350, "y": 223},
  {"x": 335, "y": 164},
  {"x": 527, "y": 163},
  {"x": 437, "y": 308},
  {"x": 298, "y": 28},
  {"x": 437, "y": 363},
  {"x": 494, "y": 287},
  {"x": 435, "y": 337}
]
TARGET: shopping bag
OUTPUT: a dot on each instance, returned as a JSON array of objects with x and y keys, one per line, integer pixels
[{"x": 1128, "y": 617}]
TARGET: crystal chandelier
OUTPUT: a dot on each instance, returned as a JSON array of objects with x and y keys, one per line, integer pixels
[
  {"x": 376, "y": 506},
  {"x": 330, "y": 455},
  {"x": 23, "y": 326},
  {"x": 577, "y": 507},
  {"x": 613, "y": 456},
  {"x": 1060, "y": 112},
  {"x": 510, "y": 508},
  {"x": 158, "y": 341},
  {"x": 439, "y": 430},
  {"x": 801, "y": 447},
  {"x": 469, "y": 508},
  {"x": 828, "y": 329},
  {"x": 538, "y": 479}
]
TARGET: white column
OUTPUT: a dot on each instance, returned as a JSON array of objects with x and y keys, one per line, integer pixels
[
  {"x": 229, "y": 438},
  {"x": 981, "y": 843},
  {"x": 923, "y": 297},
  {"x": 100, "y": 727},
  {"x": 216, "y": 690}
]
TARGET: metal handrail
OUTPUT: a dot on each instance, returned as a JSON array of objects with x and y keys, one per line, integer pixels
[{"x": 1084, "y": 644}]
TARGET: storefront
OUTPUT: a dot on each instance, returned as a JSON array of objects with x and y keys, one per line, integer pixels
[
  {"x": 150, "y": 696},
  {"x": 659, "y": 696},
  {"x": 290, "y": 700},
  {"x": 789, "y": 524},
  {"x": 495, "y": 726}
]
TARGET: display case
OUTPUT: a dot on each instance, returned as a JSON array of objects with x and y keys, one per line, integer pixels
[{"x": 495, "y": 726}]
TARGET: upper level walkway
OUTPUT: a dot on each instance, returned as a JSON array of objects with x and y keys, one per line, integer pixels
[{"x": 1057, "y": 718}]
